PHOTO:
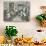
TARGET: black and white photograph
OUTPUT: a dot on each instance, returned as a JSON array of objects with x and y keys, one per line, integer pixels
[{"x": 17, "y": 11}]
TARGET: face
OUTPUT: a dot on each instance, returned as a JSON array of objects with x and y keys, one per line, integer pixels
[{"x": 44, "y": 10}]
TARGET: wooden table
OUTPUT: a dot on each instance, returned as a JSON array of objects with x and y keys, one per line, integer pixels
[{"x": 25, "y": 44}]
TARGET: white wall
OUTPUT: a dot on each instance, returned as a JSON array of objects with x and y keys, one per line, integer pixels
[{"x": 25, "y": 28}]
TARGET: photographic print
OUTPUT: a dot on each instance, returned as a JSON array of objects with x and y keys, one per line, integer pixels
[{"x": 17, "y": 11}]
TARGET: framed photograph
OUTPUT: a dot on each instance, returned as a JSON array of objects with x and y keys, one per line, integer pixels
[{"x": 17, "y": 11}]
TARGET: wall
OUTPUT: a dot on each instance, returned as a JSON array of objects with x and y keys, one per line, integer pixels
[{"x": 25, "y": 28}]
